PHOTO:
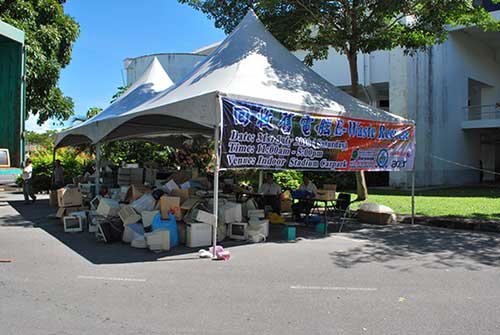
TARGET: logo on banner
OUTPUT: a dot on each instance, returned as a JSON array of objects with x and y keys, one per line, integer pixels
[
  {"x": 306, "y": 125},
  {"x": 383, "y": 158},
  {"x": 241, "y": 115},
  {"x": 264, "y": 117},
  {"x": 286, "y": 123}
]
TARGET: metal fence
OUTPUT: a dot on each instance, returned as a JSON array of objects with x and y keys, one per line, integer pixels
[{"x": 483, "y": 112}]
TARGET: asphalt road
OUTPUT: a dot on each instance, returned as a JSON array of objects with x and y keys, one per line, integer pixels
[{"x": 396, "y": 280}]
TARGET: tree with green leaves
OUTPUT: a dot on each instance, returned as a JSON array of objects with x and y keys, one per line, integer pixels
[
  {"x": 119, "y": 93},
  {"x": 50, "y": 35},
  {"x": 351, "y": 27}
]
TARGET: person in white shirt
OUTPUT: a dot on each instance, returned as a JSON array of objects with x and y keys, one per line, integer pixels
[
  {"x": 305, "y": 205},
  {"x": 271, "y": 194},
  {"x": 27, "y": 179}
]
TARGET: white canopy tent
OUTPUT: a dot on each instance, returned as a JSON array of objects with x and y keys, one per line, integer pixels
[
  {"x": 250, "y": 65},
  {"x": 151, "y": 83}
]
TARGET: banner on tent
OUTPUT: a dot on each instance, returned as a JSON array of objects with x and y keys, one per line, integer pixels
[{"x": 258, "y": 136}]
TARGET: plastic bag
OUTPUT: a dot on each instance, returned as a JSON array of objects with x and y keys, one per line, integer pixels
[{"x": 169, "y": 224}]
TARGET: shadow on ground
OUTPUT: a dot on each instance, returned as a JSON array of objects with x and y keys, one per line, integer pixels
[
  {"x": 86, "y": 245},
  {"x": 430, "y": 247}
]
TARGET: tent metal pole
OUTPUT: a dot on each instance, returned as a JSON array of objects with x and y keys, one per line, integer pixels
[
  {"x": 54, "y": 166},
  {"x": 413, "y": 196},
  {"x": 261, "y": 178},
  {"x": 97, "y": 168},
  {"x": 216, "y": 187}
]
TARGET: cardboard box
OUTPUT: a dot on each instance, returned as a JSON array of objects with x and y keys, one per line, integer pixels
[
  {"x": 108, "y": 207},
  {"x": 69, "y": 197},
  {"x": 128, "y": 215},
  {"x": 330, "y": 187},
  {"x": 286, "y": 205},
  {"x": 170, "y": 204},
  {"x": 136, "y": 191},
  {"x": 325, "y": 195},
  {"x": 148, "y": 217},
  {"x": 184, "y": 194}
]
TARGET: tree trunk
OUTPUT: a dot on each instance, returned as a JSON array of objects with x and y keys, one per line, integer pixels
[{"x": 361, "y": 187}]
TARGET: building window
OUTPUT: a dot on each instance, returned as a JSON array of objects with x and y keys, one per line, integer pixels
[{"x": 383, "y": 103}]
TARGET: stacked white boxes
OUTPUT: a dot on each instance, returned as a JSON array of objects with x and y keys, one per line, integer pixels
[{"x": 130, "y": 176}]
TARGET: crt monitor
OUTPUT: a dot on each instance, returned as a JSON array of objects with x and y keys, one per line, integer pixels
[{"x": 4, "y": 158}]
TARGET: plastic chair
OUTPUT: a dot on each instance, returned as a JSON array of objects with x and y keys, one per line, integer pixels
[{"x": 342, "y": 210}]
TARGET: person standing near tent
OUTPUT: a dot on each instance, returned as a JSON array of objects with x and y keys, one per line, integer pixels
[
  {"x": 27, "y": 178},
  {"x": 271, "y": 194},
  {"x": 306, "y": 202},
  {"x": 58, "y": 175}
]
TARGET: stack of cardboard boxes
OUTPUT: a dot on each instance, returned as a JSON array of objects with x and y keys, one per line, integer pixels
[
  {"x": 130, "y": 176},
  {"x": 69, "y": 200}
]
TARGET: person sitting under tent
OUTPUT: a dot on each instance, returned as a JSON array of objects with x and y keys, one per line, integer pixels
[
  {"x": 305, "y": 194},
  {"x": 270, "y": 194}
]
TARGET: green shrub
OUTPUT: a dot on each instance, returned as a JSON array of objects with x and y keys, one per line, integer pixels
[
  {"x": 289, "y": 179},
  {"x": 72, "y": 161}
]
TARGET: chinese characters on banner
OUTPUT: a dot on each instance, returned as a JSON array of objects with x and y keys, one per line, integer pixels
[{"x": 257, "y": 136}]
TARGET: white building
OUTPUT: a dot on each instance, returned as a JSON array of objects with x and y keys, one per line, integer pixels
[{"x": 452, "y": 91}]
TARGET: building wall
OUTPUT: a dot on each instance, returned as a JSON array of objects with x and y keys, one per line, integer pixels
[
  {"x": 11, "y": 98},
  {"x": 433, "y": 89}
]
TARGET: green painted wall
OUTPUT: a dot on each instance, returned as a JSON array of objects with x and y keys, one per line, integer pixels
[{"x": 12, "y": 98}]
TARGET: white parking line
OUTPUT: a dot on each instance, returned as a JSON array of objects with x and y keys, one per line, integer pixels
[
  {"x": 346, "y": 238},
  {"x": 332, "y": 288},
  {"x": 141, "y": 280}
]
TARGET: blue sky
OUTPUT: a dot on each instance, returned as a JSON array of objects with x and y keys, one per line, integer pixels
[{"x": 112, "y": 30}]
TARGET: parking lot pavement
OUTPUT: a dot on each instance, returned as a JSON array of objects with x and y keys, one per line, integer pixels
[{"x": 391, "y": 280}]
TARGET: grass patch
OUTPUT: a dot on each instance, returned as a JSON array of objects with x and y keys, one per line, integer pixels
[{"x": 468, "y": 202}]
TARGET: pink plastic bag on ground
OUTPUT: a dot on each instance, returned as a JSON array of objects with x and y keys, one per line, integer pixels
[{"x": 220, "y": 253}]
